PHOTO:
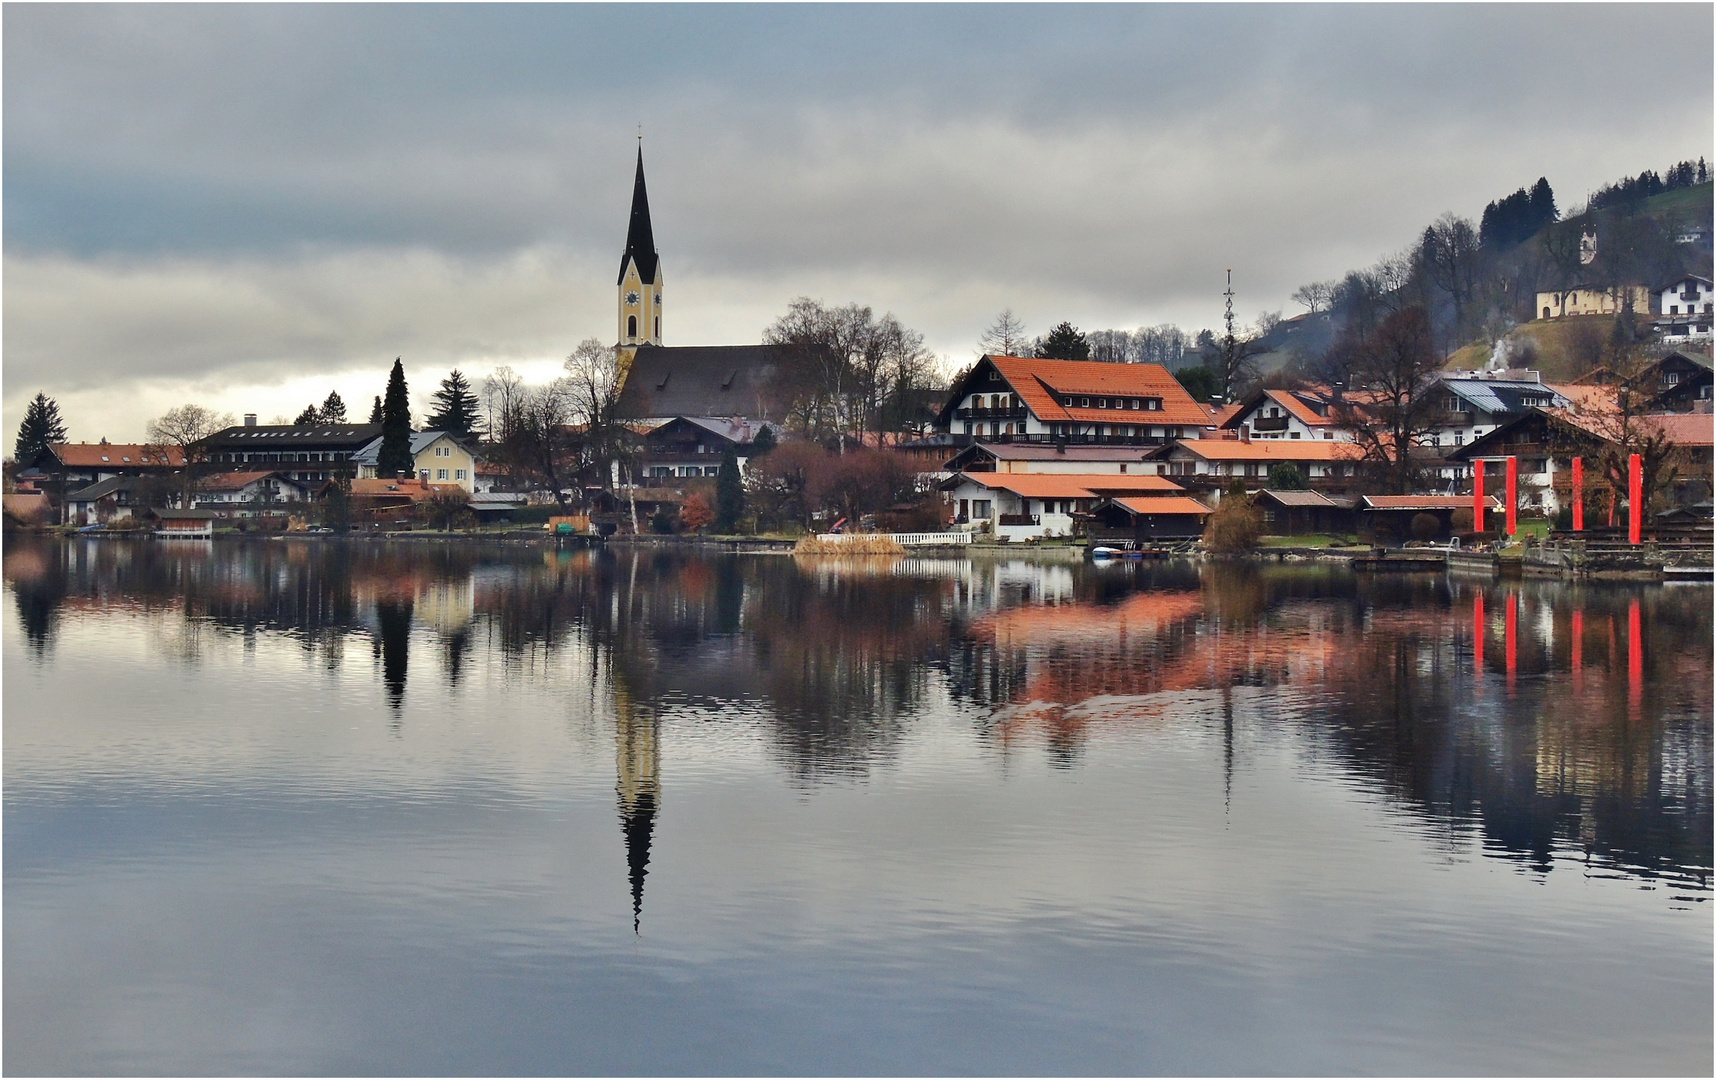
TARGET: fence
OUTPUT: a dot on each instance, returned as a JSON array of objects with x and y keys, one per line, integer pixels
[{"x": 917, "y": 539}]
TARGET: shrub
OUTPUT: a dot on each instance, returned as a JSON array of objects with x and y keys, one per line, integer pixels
[
  {"x": 695, "y": 514},
  {"x": 1234, "y": 526},
  {"x": 1461, "y": 520},
  {"x": 1285, "y": 476},
  {"x": 1425, "y": 526}
]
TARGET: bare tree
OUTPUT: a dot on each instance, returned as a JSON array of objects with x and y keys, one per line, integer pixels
[
  {"x": 1452, "y": 258},
  {"x": 1005, "y": 337},
  {"x": 1388, "y": 412},
  {"x": 503, "y": 396},
  {"x": 867, "y": 367},
  {"x": 542, "y": 441},
  {"x": 1562, "y": 248},
  {"x": 1315, "y": 296},
  {"x": 187, "y": 429},
  {"x": 593, "y": 383}
]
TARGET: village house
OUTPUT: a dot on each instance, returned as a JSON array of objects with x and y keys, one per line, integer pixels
[
  {"x": 1036, "y": 458},
  {"x": 439, "y": 458},
  {"x": 66, "y": 467},
  {"x": 117, "y": 498},
  {"x": 1023, "y": 399},
  {"x": 1208, "y": 466},
  {"x": 692, "y": 446},
  {"x": 1288, "y": 414},
  {"x": 306, "y": 453},
  {"x": 1685, "y": 309},
  {"x": 1033, "y": 506},
  {"x": 248, "y": 494},
  {"x": 1679, "y": 382},
  {"x": 1295, "y": 513},
  {"x": 1470, "y": 406}
]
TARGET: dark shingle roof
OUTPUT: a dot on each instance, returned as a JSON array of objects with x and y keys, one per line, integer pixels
[
  {"x": 755, "y": 381},
  {"x": 294, "y": 436},
  {"x": 640, "y": 238}
]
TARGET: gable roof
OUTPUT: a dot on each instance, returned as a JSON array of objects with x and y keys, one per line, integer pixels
[
  {"x": 1165, "y": 504},
  {"x": 1301, "y": 499},
  {"x": 640, "y": 238},
  {"x": 757, "y": 381},
  {"x": 733, "y": 429},
  {"x": 238, "y": 481},
  {"x": 109, "y": 455},
  {"x": 1264, "y": 449},
  {"x": 103, "y": 488},
  {"x": 1295, "y": 403},
  {"x": 1503, "y": 395},
  {"x": 1064, "y": 485},
  {"x": 420, "y": 441},
  {"x": 294, "y": 436},
  {"x": 1043, "y": 385}
]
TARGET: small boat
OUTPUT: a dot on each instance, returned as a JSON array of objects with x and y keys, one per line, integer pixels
[{"x": 1106, "y": 553}]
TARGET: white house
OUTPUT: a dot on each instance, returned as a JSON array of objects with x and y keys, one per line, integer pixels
[
  {"x": 439, "y": 457},
  {"x": 1289, "y": 415},
  {"x": 1685, "y": 309},
  {"x": 1031, "y": 506},
  {"x": 1023, "y": 399}
]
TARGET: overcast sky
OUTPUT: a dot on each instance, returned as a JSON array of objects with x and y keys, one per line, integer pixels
[{"x": 246, "y": 206}]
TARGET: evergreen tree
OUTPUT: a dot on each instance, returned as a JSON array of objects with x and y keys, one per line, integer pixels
[
  {"x": 333, "y": 409},
  {"x": 729, "y": 493},
  {"x": 456, "y": 407},
  {"x": 375, "y": 412},
  {"x": 41, "y": 428},
  {"x": 395, "y": 456},
  {"x": 308, "y": 416},
  {"x": 1064, "y": 342},
  {"x": 1200, "y": 382},
  {"x": 1543, "y": 211},
  {"x": 764, "y": 442}
]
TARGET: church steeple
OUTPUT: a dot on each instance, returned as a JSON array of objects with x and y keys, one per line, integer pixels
[
  {"x": 640, "y": 238},
  {"x": 640, "y": 275}
]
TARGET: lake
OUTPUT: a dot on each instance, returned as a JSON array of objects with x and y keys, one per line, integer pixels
[{"x": 329, "y": 807}]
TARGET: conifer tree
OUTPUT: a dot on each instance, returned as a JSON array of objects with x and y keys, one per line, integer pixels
[
  {"x": 308, "y": 416},
  {"x": 764, "y": 442},
  {"x": 456, "y": 407},
  {"x": 1064, "y": 342},
  {"x": 395, "y": 456},
  {"x": 333, "y": 409},
  {"x": 41, "y": 428},
  {"x": 729, "y": 493},
  {"x": 375, "y": 412}
]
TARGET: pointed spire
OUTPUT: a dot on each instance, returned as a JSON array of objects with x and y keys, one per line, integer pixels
[
  {"x": 637, "y": 821},
  {"x": 640, "y": 239}
]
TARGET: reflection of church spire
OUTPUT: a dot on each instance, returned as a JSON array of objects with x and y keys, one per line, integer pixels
[
  {"x": 393, "y": 640},
  {"x": 638, "y": 787}
]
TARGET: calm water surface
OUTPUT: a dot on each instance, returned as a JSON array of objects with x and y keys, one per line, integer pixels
[{"x": 319, "y": 808}]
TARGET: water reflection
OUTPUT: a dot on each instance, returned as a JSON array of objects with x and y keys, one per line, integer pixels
[{"x": 1553, "y": 720}]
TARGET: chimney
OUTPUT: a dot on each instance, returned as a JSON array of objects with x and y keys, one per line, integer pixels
[
  {"x": 1245, "y": 433},
  {"x": 249, "y": 419}
]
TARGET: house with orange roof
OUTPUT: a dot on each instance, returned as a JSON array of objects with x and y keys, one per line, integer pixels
[
  {"x": 1031, "y": 400},
  {"x": 1288, "y": 414},
  {"x": 248, "y": 493},
  {"x": 1132, "y": 522},
  {"x": 1032, "y": 506},
  {"x": 1207, "y": 466}
]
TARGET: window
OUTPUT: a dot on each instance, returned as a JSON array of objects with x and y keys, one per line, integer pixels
[
  {"x": 458, "y": 474},
  {"x": 658, "y": 321},
  {"x": 1153, "y": 404},
  {"x": 1674, "y": 309},
  {"x": 631, "y": 326},
  {"x": 980, "y": 508},
  {"x": 1293, "y": 435},
  {"x": 1083, "y": 402},
  {"x": 440, "y": 474},
  {"x": 1133, "y": 404}
]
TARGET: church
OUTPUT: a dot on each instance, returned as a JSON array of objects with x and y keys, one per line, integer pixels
[{"x": 721, "y": 388}]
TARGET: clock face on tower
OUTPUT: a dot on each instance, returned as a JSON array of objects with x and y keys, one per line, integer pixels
[{"x": 632, "y": 297}]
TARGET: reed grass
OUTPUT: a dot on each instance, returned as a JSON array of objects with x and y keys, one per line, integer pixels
[{"x": 853, "y": 544}]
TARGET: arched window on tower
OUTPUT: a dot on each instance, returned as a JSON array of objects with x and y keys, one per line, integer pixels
[
  {"x": 658, "y": 327},
  {"x": 631, "y": 326}
]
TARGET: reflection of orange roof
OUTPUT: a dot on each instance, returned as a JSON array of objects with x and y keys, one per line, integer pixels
[
  {"x": 1168, "y": 504},
  {"x": 1070, "y": 485},
  {"x": 1271, "y": 450},
  {"x": 1042, "y": 384},
  {"x": 98, "y": 455},
  {"x": 1040, "y": 623}
]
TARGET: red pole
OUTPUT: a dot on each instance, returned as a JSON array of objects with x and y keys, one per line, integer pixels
[
  {"x": 1478, "y": 500},
  {"x": 1635, "y": 498},
  {"x": 1512, "y": 494},
  {"x": 1578, "y": 649},
  {"x": 1478, "y": 634},
  {"x": 1512, "y": 639},
  {"x": 1635, "y": 659},
  {"x": 1578, "y": 494}
]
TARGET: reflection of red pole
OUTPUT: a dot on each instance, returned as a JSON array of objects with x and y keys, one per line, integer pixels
[
  {"x": 1512, "y": 494},
  {"x": 1635, "y": 657},
  {"x": 1478, "y": 634},
  {"x": 1635, "y": 498},
  {"x": 1578, "y": 648},
  {"x": 1578, "y": 498},
  {"x": 1478, "y": 503},
  {"x": 1512, "y": 641}
]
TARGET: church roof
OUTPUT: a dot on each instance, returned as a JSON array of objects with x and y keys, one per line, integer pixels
[
  {"x": 640, "y": 238},
  {"x": 755, "y": 381}
]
